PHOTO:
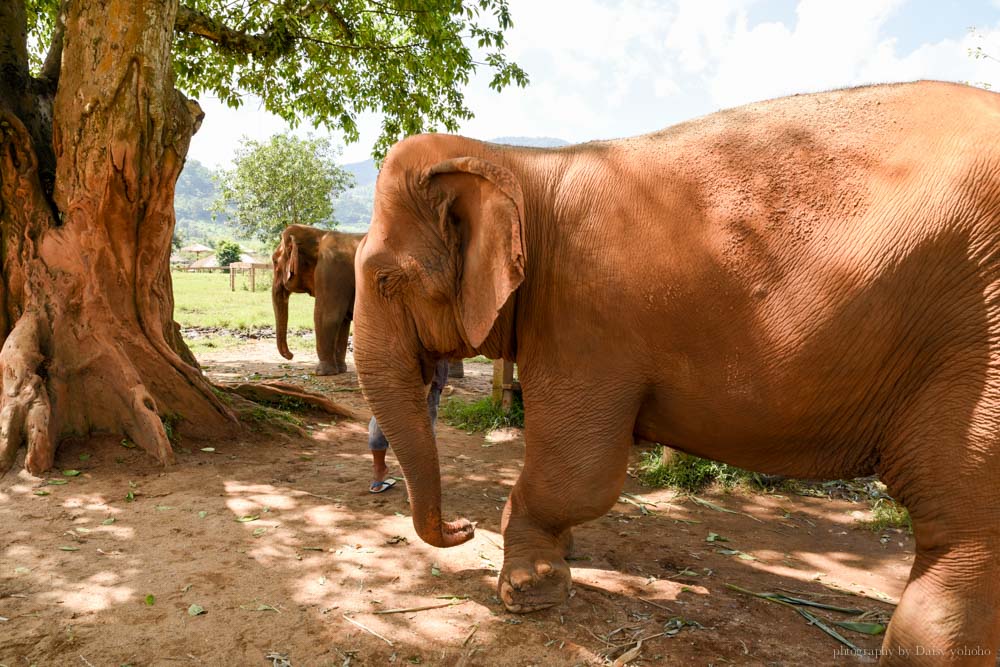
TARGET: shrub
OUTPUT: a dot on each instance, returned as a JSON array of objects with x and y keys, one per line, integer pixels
[
  {"x": 227, "y": 252},
  {"x": 887, "y": 513},
  {"x": 663, "y": 467},
  {"x": 482, "y": 415}
]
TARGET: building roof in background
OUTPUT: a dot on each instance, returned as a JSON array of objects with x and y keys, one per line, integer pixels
[{"x": 212, "y": 261}]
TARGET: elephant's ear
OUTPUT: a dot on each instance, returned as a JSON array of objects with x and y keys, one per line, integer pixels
[
  {"x": 485, "y": 203},
  {"x": 291, "y": 251}
]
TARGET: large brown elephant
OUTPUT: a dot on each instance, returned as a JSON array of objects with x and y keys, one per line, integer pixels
[
  {"x": 808, "y": 287},
  {"x": 321, "y": 264}
]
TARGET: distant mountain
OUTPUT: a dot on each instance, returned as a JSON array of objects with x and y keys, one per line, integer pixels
[
  {"x": 353, "y": 209},
  {"x": 196, "y": 190},
  {"x": 364, "y": 172}
]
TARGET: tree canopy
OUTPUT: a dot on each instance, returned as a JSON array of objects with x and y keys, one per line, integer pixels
[
  {"x": 227, "y": 252},
  {"x": 283, "y": 181},
  {"x": 330, "y": 60}
]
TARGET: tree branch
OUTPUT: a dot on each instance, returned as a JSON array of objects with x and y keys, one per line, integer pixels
[
  {"x": 198, "y": 23},
  {"x": 49, "y": 75},
  {"x": 276, "y": 40},
  {"x": 13, "y": 50}
]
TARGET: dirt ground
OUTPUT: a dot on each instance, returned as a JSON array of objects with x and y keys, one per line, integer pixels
[{"x": 279, "y": 542}]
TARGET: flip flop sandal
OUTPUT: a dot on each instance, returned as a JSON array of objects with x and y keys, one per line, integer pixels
[{"x": 384, "y": 485}]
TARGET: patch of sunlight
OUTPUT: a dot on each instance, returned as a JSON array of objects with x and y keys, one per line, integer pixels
[
  {"x": 621, "y": 583},
  {"x": 252, "y": 499},
  {"x": 95, "y": 593},
  {"x": 90, "y": 503},
  {"x": 501, "y": 435},
  {"x": 323, "y": 515}
]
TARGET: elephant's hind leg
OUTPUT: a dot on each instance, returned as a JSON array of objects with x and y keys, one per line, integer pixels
[
  {"x": 945, "y": 467},
  {"x": 329, "y": 320},
  {"x": 577, "y": 442}
]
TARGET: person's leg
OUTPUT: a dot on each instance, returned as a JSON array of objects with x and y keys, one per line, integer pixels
[
  {"x": 433, "y": 398},
  {"x": 378, "y": 445}
]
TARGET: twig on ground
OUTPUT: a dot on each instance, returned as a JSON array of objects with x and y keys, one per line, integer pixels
[
  {"x": 655, "y": 604},
  {"x": 473, "y": 631},
  {"x": 422, "y": 608},
  {"x": 86, "y": 662},
  {"x": 490, "y": 540},
  {"x": 315, "y": 495},
  {"x": 366, "y": 629}
]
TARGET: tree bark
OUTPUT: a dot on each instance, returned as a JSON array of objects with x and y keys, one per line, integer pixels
[{"x": 86, "y": 318}]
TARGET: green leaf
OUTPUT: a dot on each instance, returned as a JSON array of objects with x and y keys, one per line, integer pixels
[
  {"x": 108, "y": 521},
  {"x": 40, "y": 492},
  {"x": 56, "y": 482},
  {"x": 163, "y": 508},
  {"x": 257, "y": 532},
  {"x": 863, "y": 628},
  {"x": 84, "y": 457},
  {"x": 247, "y": 518},
  {"x": 71, "y": 473},
  {"x": 715, "y": 537},
  {"x": 202, "y": 514},
  {"x": 196, "y": 610},
  {"x": 22, "y": 570},
  {"x": 129, "y": 497},
  {"x": 128, "y": 444},
  {"x": 150, "y": 600},
  {"x": 69, "y": 548},
  {"x": 210, "y": 449},
  {"x": 435, "y": 571}
]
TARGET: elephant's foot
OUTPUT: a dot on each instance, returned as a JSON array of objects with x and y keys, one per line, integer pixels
[
  {"x": 326, "y": 368},
  {"x": 528, "y": 584},
  {"x": 341, "y": 367}
]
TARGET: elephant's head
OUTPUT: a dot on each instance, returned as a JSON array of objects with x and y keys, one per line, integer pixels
[
  {"x": 294, "y": 268},
  {"x": 442, "y": 256}
]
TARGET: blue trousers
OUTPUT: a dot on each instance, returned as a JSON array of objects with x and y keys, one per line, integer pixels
[{"x": 376, "y": 438}]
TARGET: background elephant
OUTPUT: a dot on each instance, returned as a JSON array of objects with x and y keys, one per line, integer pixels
[
  {"x": 808, "y": 286},
  {"x": 320, "y": 263}
]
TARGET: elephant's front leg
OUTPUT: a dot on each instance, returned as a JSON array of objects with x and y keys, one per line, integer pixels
[
  {"x": 577, "y": 443},
  {"x": 341, "y": 349}
]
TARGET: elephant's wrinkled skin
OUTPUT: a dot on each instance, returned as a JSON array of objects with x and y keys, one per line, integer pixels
[
  {"x": 320, "y": 263},
  {"x": 808, "y": 287}
]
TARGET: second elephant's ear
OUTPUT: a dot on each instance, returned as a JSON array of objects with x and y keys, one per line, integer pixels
[
  {"x": 291, "y": 251},
  {"x": 485, "y": 203}
]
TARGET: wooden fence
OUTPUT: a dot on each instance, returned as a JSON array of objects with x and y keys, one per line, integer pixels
[{"x": 243, "y": 267}]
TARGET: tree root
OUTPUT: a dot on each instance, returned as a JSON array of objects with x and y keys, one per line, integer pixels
[
  {"x": 272, "y": 391},
  {"x": 26, "y": 410}
]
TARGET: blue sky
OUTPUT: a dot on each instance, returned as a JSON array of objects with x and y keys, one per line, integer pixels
[{"x": 610, "y": 68}]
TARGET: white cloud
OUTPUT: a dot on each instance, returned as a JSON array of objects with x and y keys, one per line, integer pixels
[
  {"x": 607, "y": 68},
  {"x": 826, "y": 48},
  {"x": 947, "y": 59}
]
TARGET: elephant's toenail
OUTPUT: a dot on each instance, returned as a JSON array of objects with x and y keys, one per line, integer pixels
[
  {"x": 520, "y": 579},
  {"x": 543, "y": 567}
]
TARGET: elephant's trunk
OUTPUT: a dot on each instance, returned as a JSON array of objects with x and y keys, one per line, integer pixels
[
  {"x": 394, "y": 388},
  {"x": 279, "y": 299}
]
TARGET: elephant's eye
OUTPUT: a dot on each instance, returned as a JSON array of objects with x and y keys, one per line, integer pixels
[{"x": 388, "y": 282}]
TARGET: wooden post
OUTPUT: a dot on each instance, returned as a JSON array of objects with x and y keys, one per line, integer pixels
[
  {"x": 503, "y": 383},
  {"x": 508, "y": 386},
  {"x": 253, "y": 278},
  {"x": 232, "y": 278},
  {"x": 497, "y": 380}
]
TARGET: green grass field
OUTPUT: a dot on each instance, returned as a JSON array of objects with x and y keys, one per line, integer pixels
[{"x": 205, "y": 300}]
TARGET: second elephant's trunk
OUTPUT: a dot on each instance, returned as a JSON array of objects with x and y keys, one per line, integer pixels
[{"x": 279, "y": 299}]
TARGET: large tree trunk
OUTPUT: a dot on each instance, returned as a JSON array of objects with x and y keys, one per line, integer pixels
[{"x": 89, "y": 342}]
